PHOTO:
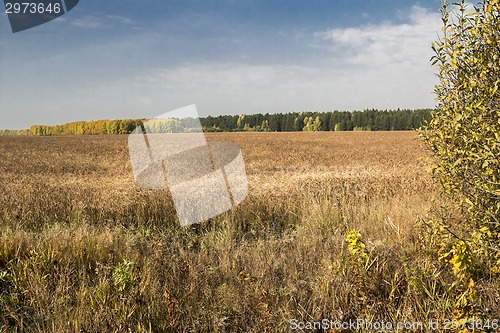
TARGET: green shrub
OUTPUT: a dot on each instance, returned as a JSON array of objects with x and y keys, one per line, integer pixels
[
  {"x": 464, "y": 135},
  {"x": 122, "y": 275}
]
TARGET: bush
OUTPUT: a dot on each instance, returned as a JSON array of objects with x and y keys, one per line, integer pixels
[{"x": 464, "y": 135}]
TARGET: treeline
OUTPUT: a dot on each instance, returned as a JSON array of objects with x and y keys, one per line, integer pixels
[
  {"x": 13, "y": 132},
  {"x": 104, "y": 126},
  {"x": 368, "y": 120}
]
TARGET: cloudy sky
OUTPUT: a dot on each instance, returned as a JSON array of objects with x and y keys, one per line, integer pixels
[{"x": 138, "y": 59}]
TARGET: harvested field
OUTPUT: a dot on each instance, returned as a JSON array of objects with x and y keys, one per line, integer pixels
[{"x": 83, "y": 249}]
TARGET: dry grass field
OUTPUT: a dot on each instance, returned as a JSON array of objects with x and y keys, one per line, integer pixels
[{"x": 83, "y": 249}]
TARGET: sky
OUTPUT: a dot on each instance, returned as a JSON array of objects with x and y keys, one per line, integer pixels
[{"x": 110, "y": 59}]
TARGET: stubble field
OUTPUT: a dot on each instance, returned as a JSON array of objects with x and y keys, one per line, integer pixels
[{"x": 83, "y": 249}]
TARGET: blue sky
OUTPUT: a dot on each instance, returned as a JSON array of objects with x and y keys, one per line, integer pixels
[{"x": 138, "y": 59}]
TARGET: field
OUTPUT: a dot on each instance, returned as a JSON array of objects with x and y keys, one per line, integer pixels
[{"x": 83, "y": 249}]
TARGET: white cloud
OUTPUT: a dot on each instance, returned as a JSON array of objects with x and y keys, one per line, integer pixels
[
  {"x": 99, "y": 22},
  {"x": 370, "y": 66},
  {"x": 242, "y": 88},
  {"x": 387, "y": 43},
  {"x": 87, "y": 22},
  {"x": 120, "y": 19}
]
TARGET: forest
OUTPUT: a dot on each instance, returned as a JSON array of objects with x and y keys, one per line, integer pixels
[{"x": 367, "y": 120}]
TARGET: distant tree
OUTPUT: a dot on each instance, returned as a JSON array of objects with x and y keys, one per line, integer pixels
[
  {"x": 298, "y": 123},
  {"x": 265, "y": 125},
  {"x": 240, "y": 122}
]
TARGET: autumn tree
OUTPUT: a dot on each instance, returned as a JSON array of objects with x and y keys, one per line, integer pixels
[{"x": 464, "y": 135}]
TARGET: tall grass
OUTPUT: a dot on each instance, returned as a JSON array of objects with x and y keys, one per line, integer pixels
[{"x": 84, "y": 250}]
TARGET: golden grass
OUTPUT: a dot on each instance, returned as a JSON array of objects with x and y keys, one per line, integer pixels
[{"x": 82, "y": 249}]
